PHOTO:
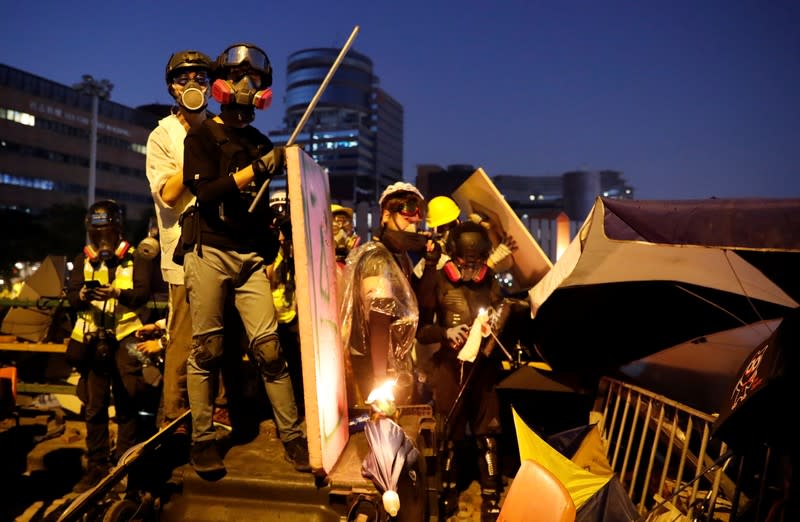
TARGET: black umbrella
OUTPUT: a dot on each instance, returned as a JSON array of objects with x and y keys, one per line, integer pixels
[
  {"x": 549, "y": 401},
  {"x": 642, "y": 276},
  {"x": 758, "y": 409},
  {"x": 698, "y": 373},
  {"x": 391, "y": 452}
]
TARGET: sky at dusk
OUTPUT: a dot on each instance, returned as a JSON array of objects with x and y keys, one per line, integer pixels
[{"x": 687, "y": 98}]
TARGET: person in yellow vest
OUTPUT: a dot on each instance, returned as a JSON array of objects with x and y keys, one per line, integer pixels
[
  {"x": 282, "y": 281},
  {"x": 109, "y": 287}
]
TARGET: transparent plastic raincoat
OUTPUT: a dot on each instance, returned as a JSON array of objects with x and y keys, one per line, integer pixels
[{"x": 377, "y": 293}]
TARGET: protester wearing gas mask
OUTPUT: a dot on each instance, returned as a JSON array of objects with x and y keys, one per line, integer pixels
[
  {"x": 188, "y": 80},
  {"x": 378, "y": 307},
  {"x": 465, "y": 287},
  {"x": 226, "y": 161},
  {"x": 345, "y": 238},
  {"x": 109, "y": 287}
]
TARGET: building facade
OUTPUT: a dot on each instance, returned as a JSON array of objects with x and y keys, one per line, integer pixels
[
  {"x": 45, "y": 147},
  {"x": 355, "y": 130}
]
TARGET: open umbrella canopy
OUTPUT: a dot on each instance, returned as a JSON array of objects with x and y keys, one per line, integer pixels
[
  {"x": 699, "y": 372},
  {"x": 762, "y": 393},
  {"x": 642, "y": 276}
]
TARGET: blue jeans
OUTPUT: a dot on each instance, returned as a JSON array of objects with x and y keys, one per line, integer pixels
[{"x": 208, "y": 280}]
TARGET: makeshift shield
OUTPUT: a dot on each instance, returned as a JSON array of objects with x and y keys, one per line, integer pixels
[{"x": 33, "y": 323}]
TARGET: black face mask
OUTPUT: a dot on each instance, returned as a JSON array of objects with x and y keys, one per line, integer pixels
[{"x": 399, "y": 241}]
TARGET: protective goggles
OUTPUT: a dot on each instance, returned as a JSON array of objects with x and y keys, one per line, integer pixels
[
  {"x": 239, "y": 54},
  {"x": 411, "y": 207},
  {"x": 200, "y": 78}
]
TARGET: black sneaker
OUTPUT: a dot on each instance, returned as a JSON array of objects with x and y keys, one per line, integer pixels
[
  {"x": 205, "y": 458},
  {"x": 297, "y": 453},
  {"x": 93, "y": 476},
  {"x": 490, "y": 508}
]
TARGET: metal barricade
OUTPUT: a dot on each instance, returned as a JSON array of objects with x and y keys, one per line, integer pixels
[{"x": 662, "y": 452}]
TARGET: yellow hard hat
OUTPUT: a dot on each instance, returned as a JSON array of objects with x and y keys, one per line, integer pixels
[
  {"x": 339, "y": 208},
  {"x": 441, "y": 210}
]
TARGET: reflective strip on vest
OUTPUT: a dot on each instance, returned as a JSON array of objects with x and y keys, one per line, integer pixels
[
  {"x": 124, "y": 321},
  {"x": 285, "y": 311}
]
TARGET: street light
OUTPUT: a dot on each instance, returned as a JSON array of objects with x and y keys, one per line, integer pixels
[{"x": 97, "y": 89}]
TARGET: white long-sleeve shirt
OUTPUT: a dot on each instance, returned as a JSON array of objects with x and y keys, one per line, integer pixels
[{"x": 164, "y": 159}]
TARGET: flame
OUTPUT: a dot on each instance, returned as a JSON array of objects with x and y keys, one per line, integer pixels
[{"x": 382, "y": 398}]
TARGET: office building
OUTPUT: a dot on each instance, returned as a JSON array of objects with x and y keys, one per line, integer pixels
[
  {"x": 45, "y": 147},
  {"x": 355, "y": 130}
]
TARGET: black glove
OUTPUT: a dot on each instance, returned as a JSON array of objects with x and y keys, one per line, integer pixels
[
  {"x": 270, "y": 164},
  {"x": 433, "y": 253}
]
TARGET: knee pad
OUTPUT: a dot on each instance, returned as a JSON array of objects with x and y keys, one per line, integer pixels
[
  {"x": 207, "y": 351},
  {"x": 269, "y": 357}
]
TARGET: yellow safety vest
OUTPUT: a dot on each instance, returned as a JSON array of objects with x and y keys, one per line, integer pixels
[
  {"x": 285, "y": 311},
  {"x": 110, "y": 314}
]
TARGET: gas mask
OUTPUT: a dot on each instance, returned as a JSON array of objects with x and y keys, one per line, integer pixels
[
  {"x": 340, "y": 237},
  {"x": 468, "y": 245},
  {"x": 104, "y": 230},
  {"x": 193, "y": 97},
  {"x": 193, "y": 90},
  {"x": 469, "y": 268},
  {"x": 342, "y": 227},
  {"x": 148, "y": 248},
  {"x": 105, "y": 244},
  {"x": 241, "y": 92}
]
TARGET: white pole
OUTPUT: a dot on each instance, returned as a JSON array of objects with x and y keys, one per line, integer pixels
[
  {"x": 97, "y": 89},
  {"x": 310, "y": 108}
]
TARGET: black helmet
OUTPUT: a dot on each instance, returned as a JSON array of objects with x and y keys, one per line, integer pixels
[
  {"x": 469, "y": 241},
  {"x": 185, "y": 60},
  {"x": 104, "y": 223},
  {"x": 103, "y": 214},
  {"x": 239, "y": 53}
]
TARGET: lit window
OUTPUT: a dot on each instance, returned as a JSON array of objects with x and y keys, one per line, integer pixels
[
  {"x": 19, "y": 181},
  {"x": 22, "y": 118}
]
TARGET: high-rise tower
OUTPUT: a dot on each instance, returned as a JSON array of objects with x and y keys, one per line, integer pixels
[{"x": 356, "y": 129}]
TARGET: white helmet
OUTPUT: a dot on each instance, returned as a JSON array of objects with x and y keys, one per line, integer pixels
[
  {"x": 279, "y": 203},
  {"x": 400, "y": 186},
  {"x": 278, "y": 198}
]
